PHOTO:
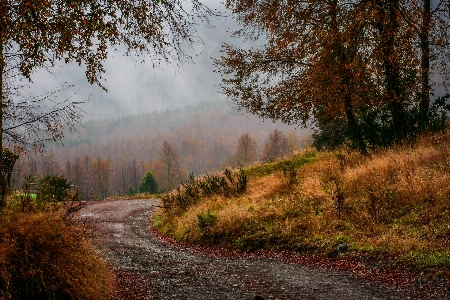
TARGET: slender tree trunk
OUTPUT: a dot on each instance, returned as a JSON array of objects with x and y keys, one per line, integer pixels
[
  {"x": 2, "y": 173},
  {"x": 425, "y": 64},
  {"x": 393, "y": 74},
  {"x": 346, "y": 82},
  {"x": 388, "y": 28},
  {"x": 353, "y": 125}
]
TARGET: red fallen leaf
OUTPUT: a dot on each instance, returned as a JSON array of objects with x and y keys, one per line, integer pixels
[{"x": 354, "y": 264}]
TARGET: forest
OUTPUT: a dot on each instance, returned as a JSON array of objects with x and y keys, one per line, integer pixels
[
  {"x": 370, "y": 78},
  {"x": 110, "y": 157}
]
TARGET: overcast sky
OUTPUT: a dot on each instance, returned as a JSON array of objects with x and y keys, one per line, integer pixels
[
  {"x": 135, "y": 88},
  {"x": 139, "y": 88}
]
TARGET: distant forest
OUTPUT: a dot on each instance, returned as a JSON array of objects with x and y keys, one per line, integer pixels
[{"x": 110, "y": 157}]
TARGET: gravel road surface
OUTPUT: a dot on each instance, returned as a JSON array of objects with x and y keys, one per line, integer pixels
[{"x": 147, "y": 268}]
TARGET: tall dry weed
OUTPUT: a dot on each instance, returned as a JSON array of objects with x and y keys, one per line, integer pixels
[{"x": 43, "y": 256}]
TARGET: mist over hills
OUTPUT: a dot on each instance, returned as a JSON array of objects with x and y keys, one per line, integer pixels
[
  {"x": 108, "y": 157},
  {"x": 209, "y": 122},
  {"x": 141, "y": 85}
]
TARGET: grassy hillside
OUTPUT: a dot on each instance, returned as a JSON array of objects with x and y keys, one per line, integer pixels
[{"x": 392, "y": 203}]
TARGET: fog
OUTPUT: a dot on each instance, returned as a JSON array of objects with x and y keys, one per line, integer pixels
[{"x": 135, "y": 87}]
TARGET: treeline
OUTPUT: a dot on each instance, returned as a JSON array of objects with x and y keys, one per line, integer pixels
[{"x": 111, "y": 157}]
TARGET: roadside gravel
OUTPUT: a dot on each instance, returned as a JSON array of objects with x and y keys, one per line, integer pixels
[{"x": 146, "y": 267}]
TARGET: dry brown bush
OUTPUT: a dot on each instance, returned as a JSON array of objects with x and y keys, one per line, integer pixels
[{"x": 45, "y": 256}]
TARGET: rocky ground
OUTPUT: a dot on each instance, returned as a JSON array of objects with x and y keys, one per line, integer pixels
[{"x": 148, "y": 266}]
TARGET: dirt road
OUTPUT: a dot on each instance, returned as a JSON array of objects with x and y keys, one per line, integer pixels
[{"x": 147, "y": 268}]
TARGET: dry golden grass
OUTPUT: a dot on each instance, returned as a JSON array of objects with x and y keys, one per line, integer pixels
[
  {"x": 45, "y": 256},
  {"x": 395, "y": 200}
]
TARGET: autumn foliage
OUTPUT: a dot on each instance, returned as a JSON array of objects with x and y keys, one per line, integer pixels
[
  {"x": 38, "y": 34},
  {"x": 361, "y": 69}
]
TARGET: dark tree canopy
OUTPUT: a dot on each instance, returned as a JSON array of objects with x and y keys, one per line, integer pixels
[{"x": 363, "y": 66}]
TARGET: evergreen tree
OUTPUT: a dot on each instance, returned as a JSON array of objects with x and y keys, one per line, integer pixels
[{"x": 148, "y": 184}]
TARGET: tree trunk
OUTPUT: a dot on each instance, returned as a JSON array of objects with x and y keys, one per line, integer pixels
[
  {"x": 2, "y": 173},
  {"x": 425, "y": 63},
  {"x": 388, "y": 29},
  {"x": 345, "y": 61},
  {"x": 393, "y": 74}
]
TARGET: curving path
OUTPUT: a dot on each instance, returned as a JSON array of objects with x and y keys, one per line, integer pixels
[{"x": 146, "y": 268}]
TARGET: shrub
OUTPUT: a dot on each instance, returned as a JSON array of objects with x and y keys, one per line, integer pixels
[
  {"x": 192, "y": 189},
  {"x": 46, "y": 256},
  {"x": 52, "y": 193},
  {"x": 206, "y": 220},
  {"x": 377, "y": 127},
  {"x": 148, "y": 184},
  {"x": 53, "y": 189},
  {"x": 131, "y": 190}
]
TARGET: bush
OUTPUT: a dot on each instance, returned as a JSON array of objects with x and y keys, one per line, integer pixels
[
  {"x": 229, "y": 184},
  {"x": 52, "y": 192},
  {"x": 377, "y": 129},
  {"x": 46, "y": 256},
  {"x": 206, "y": 220},
  {"x": 53, "y": 189},
  {"x": 148, "y": 184}
]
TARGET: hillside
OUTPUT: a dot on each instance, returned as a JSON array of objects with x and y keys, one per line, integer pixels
[
  {"x": 209, "y": 122},
  {"x": 390, "y": 207}
]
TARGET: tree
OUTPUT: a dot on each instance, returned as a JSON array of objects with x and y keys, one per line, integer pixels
[
  {"x": 101, "y": 169},
  {"x": 36, "y": 34},
  {"x": 218, "y": 154},
  {"x": 408, "y": 49},
  {"x": 429, "y": 20},
  {"x": 53, "y": 188},
  {"x": 245, "y": 151},
  {"x": 357, "y": 68},
  {"x": 148, "y": 184},
  {"x": 171, "y": 171},
  {"x": 308, "y": 71},
  {"x": 276, "y": 146},
  {"x": 32, "y": 122},
  {"x": 191, "y": 155},
  {"x": 9, "y": 160}
]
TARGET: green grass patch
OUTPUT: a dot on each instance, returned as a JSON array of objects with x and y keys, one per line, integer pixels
[
  {"x": 426, "y": 260},
  {"x": 278, "y": 166},
  {"x": 31, "y": 196}
]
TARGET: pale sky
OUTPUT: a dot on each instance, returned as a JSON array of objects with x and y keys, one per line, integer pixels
[
  {"x": 135, "y": 88},
  {"x": 139, "y": 88}
]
